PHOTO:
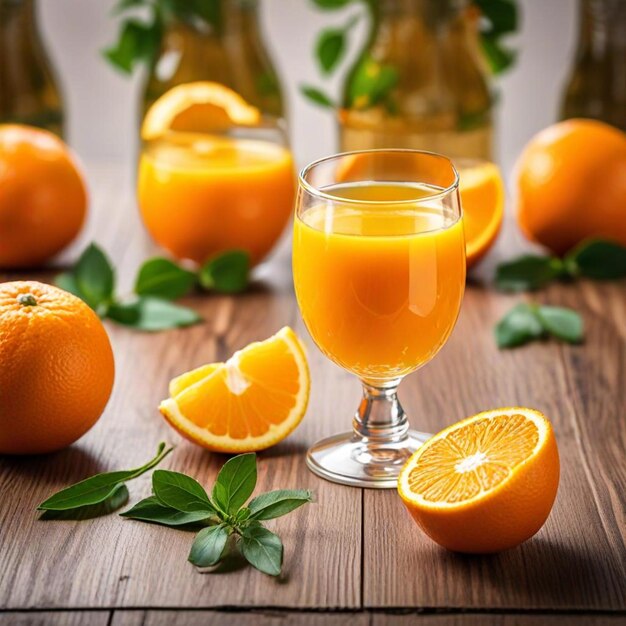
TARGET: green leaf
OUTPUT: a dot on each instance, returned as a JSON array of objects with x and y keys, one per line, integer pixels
[
  {"x": 499, "y": 16},
  {"x": 116, "y": 500},
  {"x": 528, "y": 273},
  {"x": 330, "y": 48},
  {"x": 370, "y": 83},
  {"x": 152, "y": 510},
  {"x": 262, "y": 549},
  {"x": 137, "y": 43},
  {"x": 98, "y": 488},
  {"x": 67, "y": 281},
  {"x": 181, "y": 492},
  {"x": 498, "y": 56},
  {"x": 562, "y": 323},
  {"x": 209, "y": 545},
  {"x": 519, "y": 326},
  {"x": 277, "y": 503},
  {"x": 235, "y": 483},
  {"x": 95, "y": 278},
  {"x": 331, "y": 4},
  {"x": 152, "y": 314},
  {"x": 598, "y": 259},
  {"x": 317, "y": 96},
  {"x": 226, "y": 273},
  {"x": 164, "y": 279}
]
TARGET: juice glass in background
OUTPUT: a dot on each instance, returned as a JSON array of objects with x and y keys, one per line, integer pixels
[
  {"x": 204, "y": 193},
  {"x": 379, "y": 274}
]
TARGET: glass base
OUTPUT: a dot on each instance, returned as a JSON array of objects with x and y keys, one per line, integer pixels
[{"x": 352, "y": 460}]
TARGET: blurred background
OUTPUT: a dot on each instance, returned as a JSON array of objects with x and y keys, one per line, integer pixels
[{"x": 102, "y": 104}]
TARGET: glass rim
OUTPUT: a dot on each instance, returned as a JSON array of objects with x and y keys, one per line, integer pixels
[{"x": 314, "y": 191}]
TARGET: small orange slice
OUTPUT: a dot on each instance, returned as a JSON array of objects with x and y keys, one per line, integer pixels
[
  {"x": 202, "y": 107},
  {"x": 486, "y": 483},
  {"x": 249, "y": 403},
  {"x": 482, "y": 198}
]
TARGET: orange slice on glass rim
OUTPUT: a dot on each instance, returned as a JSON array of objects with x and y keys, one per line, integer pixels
[
  {"x": 249, "y": 403},
  {"x": 486, "y": 483},
  {"x": 201, "y": 107}
]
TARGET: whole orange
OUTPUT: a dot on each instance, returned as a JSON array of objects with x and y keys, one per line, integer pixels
[
  {"x": 56, "y": 368},
  {"x": 43, "y": 200},
  {"x": 571, "y": 185}
]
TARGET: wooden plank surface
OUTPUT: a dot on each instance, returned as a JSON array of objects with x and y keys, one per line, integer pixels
[
  {"x": 57, "y": 618},
  {"x": 353, "y": 549}
]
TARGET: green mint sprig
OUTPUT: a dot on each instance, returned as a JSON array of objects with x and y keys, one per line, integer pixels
[
  {"x": 97, "y": 495},
  {"x": 528, "y": 322},
  {"x": 596, "y": 259},
  {"x": 139, "y": 41},
  {"x": 158, "y": 282},
  {"x": 230, "y": 525}
]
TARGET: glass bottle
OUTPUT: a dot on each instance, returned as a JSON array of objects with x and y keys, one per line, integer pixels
[
  {"x": 231, "y": 52},
  {"x": 420, "y": 82},
  {"x": 597, "y": 85},
  {"x": 28, "y": 90}
]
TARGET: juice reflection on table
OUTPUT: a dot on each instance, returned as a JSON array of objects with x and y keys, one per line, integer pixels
[
  {"x": 379, "y": 285},
  {"x": 202, "y": 194}
]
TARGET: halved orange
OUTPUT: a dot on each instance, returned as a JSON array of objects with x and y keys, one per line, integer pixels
[
  {"x": 486, "y": 483},
  {"x": 202, "y": 107},
  {"x": 482, "y": 197},
  {"x": 249, "y": 403}
]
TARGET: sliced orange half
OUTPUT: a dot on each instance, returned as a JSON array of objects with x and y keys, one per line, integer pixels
[
  {"x": 202, "y": 107},
  {"x": 482, "y": 198},
  {"x": 486, "y": 483},
  {"x": 249, "y": 403}
]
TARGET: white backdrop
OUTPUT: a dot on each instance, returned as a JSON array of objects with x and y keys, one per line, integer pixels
[{"x": 102, "y": 103}]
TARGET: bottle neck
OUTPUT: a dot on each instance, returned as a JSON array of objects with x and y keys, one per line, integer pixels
[{"x": 602, "y": 28}]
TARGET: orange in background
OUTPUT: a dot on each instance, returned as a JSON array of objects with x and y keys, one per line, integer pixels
[
  {"x": 571, "y": 185},
  {"x": 56, "y": 368},
  {"x": 43, "y": 200}
]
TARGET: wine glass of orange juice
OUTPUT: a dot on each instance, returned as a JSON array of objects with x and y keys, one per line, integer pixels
[
  {"x": 379, "y": 274},
  {"x": 208, "y": 184}
]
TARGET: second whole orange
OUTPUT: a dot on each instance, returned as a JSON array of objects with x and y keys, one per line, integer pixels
[
  {"x": 43, "y": 198},
  {"x": 56, "y": 368},
  {"x": 571, "y": 185}
]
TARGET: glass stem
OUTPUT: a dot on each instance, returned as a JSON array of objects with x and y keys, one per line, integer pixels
[{"x": 380, "y": 418}]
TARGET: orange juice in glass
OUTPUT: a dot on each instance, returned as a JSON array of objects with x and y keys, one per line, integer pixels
[
  {"x": 215, "y": 173},
  {"x": 379, "y": 273}
]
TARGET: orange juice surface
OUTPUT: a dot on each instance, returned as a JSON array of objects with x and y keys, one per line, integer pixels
[
  {"x": 379, "y": 285},
  {"x": 200, "y": 195}
]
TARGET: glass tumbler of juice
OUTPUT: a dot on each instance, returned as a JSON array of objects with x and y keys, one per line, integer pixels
[
  {"x": 379, "y": 274},
  {"x": 201, "y": 194}
]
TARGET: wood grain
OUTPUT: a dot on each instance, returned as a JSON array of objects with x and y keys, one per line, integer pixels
[
  {"x": 235, "y": 618},
  {"x": 57, "y": 618},
  {"x": 113, "y": 562},
  {"x": 491, "y": 619}
]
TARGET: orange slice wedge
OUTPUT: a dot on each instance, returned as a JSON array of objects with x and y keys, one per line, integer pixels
[
  {"x": 485, "y": 484},
  {"x": 202, "y": 107},
  {"x": 482, "y": 198},
  {"x": 249, "y": 403}
]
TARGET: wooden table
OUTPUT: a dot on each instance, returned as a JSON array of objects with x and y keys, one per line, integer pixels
[{"x": 354, "y": 557}]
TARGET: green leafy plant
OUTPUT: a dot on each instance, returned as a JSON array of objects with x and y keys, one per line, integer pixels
[
  {"x": 97, "y": 495},
  {"x": 371, "y": 82},
  {"x": 231, "y": 525},
  {"x": 158, "y": 282},
  {"x": 139, "y": 40},
  {"x": 595, "y": 259},
  {"x": 528, "y": 322}
]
